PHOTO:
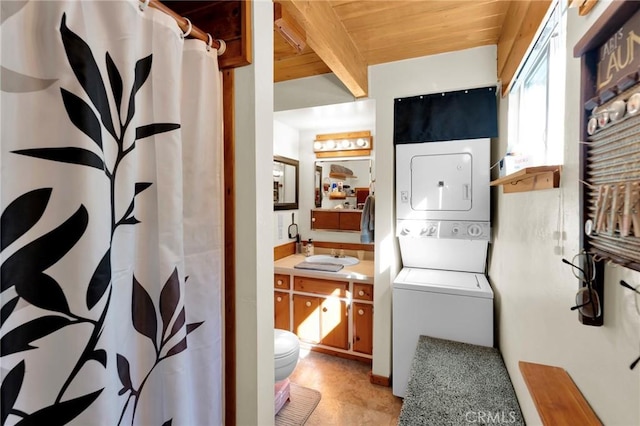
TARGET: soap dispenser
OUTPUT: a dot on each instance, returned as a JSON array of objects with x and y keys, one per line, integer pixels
[{"x": 309, "y": 248}]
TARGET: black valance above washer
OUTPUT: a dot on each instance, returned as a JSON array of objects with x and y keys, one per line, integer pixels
[{"x": 463, "y": 114}]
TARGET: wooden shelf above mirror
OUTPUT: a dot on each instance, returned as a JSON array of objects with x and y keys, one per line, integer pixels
[{"x": 530, "y": 179}]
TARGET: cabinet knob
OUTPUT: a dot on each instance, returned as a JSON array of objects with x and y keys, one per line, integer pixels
[
  {"x": 279, "y": 299},
  {"x": 280, "y": 282},
  {"x": 308, "y": 304},
  {"x": 360, "y": 311},
  {"x": 313, "y": 219},
  {"x": 324, "y": 309},
  {"x": 361, "y": 293}
]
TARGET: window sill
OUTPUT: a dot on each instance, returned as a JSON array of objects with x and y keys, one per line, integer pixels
[{"x": 530, "y": 179}]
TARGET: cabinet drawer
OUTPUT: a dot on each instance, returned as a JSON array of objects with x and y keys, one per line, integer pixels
[
  {"x": 317, "y": 286},
  {"x": 281, "y": 281},
  {"x": 363, "y": 291}
]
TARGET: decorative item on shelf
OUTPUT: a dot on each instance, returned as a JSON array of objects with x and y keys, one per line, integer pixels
[{"x": 347, "y": 144}]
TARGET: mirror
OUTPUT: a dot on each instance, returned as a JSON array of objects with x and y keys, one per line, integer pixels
[
  {"x": 318, "y": 186},
  {"x": 285, "y": 183},
  {"x": 344, "y": 182}
]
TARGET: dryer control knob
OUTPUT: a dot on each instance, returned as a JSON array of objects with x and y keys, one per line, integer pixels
[{"x": 474, "y": 230}]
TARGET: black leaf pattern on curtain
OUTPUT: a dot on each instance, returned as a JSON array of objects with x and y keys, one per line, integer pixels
[
  {"x": 178, "y": 324},
  {"x": 60, "y": 413},
  {"x": 43, "y": 252},
  {"x": 169, "y": 297},
  {"x": 87, "y": 72},
  {"x": 25, "y": 268},
  {"x": 21, "y": 214},
  {"x": 144, "y": 316},
  {"x": 20, "y": 338},
  {"x": 99, "y": 281},
  {"x": 143, "y": 68},
  {"x": 124, "y": 373},
  {"x": 7, "y": 309},
  {"x": 82, "y": 116},
  {"x": 168, "y": 422},
  {"x": 115, "y": 80},
  {"x": 10, "y": 389},
  {"x": 144, "y": 313},
  {"x": 154, "y": 129},
  {"x": 68, "y": 154}
]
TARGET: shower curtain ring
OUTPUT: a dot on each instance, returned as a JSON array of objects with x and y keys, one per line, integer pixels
[
  {"x": 209, "y": 42},
  {"x": 189, "y": 28},
  {"x": 143, "y": 5},
  {"x": 222, "y": 48}
]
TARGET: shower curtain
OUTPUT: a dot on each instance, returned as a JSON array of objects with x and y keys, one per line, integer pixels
[{"x": 111, "y": 217}]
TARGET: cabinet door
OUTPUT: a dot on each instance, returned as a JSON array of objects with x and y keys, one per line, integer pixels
[
  {"x": 306, "y": 318},
  {"x": 325, "y": 220},
  {"x": 334, "y": 323},
  {"x": 350, "y": 221},
  {"x": 281, "y": 307},
  {"x": 363, "y": 328}
]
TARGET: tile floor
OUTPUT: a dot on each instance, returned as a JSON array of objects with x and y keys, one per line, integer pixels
[{"x": 348, "y": 398}]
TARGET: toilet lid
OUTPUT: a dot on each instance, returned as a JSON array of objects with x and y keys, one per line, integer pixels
[{"x": 285, "y": 343}]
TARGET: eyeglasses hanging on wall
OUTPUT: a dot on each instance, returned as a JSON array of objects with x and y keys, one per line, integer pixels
[
  {"x": 583, "y": 266},
  {"x": 623, "y": 283}
]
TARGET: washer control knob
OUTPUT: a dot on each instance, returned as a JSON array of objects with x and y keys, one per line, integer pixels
[
  {"x": 455, "y": 230},
  {"x": 474, "y": 230}
]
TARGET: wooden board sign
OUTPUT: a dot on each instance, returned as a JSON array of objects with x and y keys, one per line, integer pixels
[{"x": 619, "y": 57}]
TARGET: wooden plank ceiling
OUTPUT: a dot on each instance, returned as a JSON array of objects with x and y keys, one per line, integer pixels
[{"x": 345, "y": 36}]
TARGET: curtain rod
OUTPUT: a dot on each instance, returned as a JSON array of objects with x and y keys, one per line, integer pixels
[{"x": 184, "y": 25}]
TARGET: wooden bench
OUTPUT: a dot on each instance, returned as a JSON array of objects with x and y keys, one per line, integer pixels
[{"x": 557, "y": 398}]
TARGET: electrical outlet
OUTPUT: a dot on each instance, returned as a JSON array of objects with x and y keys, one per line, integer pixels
[{"x": 557, "y": 250}]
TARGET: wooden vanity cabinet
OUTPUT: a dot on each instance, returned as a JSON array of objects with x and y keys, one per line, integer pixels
[
  {"x": 281, "y": 309},
  {"x": 338, "y": 220},
  {"x": 335, "y": 316}
]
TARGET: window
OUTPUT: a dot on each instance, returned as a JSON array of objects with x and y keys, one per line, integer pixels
[{"x": 536, "y": 100}]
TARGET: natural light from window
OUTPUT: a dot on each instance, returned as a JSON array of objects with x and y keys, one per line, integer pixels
[{"x": 536, "y": 101}]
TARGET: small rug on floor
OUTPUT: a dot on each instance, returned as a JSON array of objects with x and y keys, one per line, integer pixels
[
  {"x": 453, "y": 383},
  {"x": 297, "y": 411}
]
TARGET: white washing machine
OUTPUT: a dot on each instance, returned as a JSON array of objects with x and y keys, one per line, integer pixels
[
  {"x": 450, "y": 305},
  {"x": 442, "y": 225}
]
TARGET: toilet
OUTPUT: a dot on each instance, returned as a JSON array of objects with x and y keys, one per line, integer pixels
[{"x": 286, "y": 348}]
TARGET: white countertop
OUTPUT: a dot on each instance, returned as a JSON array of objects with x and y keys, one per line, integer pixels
[{"x": 362, "y": 272}]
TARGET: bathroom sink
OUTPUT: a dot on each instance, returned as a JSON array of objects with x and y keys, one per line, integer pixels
[{"x": 327, "y": 258}]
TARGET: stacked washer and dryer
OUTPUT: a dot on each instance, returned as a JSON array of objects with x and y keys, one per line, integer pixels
[{"x": 442, "y": 215}]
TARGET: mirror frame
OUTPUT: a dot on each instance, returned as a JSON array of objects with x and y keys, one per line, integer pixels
[{"x": 296, "y": 164}]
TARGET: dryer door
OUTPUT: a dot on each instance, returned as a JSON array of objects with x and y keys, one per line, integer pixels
[{"x": 441, "y": 182}]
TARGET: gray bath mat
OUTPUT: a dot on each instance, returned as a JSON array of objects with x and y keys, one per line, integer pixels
[
  {"x": 296, "y": 411},
  {"x": 453, "y": 383}
]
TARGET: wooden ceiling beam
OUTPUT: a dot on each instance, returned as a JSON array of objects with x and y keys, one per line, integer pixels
[
  {"x": 521, "y": 24},
  {"x": 331, "y": 42}
]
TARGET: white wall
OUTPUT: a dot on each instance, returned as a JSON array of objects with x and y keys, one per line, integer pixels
[
  {"x": 286, "y": 141},
  {"x": 534, "y": 289},
  {"x": 325, "y": 89},
  {"x": 253, "y": 233},
  {"x": 432, "y": 74}
]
